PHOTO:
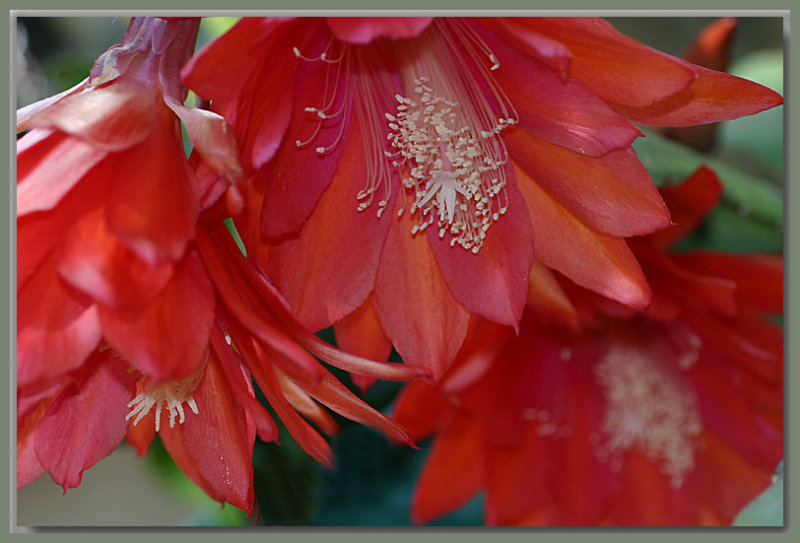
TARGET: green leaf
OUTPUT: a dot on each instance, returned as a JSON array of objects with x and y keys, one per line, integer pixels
[
  {"x": 667, "y": 160},
  {"x": 767, "y": 509}
]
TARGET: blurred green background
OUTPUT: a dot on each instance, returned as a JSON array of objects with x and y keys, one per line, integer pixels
[{"x": 374, "y": 480}]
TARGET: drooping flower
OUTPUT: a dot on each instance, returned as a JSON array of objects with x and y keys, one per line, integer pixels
[
  {"x": 402, "y": 172},
  {"x": 137, "y": 313},
  {"x": 669, "y": 416}
]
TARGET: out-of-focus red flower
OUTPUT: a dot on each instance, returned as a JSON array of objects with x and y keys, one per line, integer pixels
[
  {"x": 137, "y": 313},
  {"x": 403, "y": 172},
  {"x": 669, "y": 416}
]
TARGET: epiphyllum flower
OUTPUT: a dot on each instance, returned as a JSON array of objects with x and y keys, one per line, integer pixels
[
  {"x": 119, "y": 327},
  {"x": 671, "y": 416},
  {"x": 411, "y": 167}
]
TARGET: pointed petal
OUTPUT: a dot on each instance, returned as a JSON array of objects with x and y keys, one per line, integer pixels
[
  {"x": 596, "y": 261},
  {"x": 330, "y": 268},
  {"x": 612, "y": 194},
  {"x": 86, "y": 422},
  {"x": 453, "y": 472},
  {"x": 49, "y": 165},
  {"x": 712, "y": 97},
  {"x": 617, "y": 68},
  {"x": 361, "y": 333},
  {"x": 546, "y": 297},
  {"x": 28, "y": 467},
  {"x": 561, "y": 112},
  {"x": 25, "y": 113},
  {"x": 169, "y": 338},
  {"x": 214, "y": 448},
  {"x": 493, "y": 283},
  {"x": 412, "y": 299},
  {"x": 689, "y": 203},
  {"x": 57, "y": 327},
  {"x": 366, "y": 29},
  {"x": 114, "y": 117},
  {"x": 141, "y": 435}
]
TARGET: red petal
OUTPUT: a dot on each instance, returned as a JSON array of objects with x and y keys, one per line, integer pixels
[
  {"x": 412, "y": 299},
  {"x": 141, "y": 435},
  {"x": 617, "y": 68},
  {"x": 215, "y": 447},
  {"x": 688, "y": 203},
  {"x": 713, "y": 96},
  {"x": 297, "y": 175},
  {"x": 712, "y": 47},
  {"x": 115, "y": 117},
  {"x": 25, "y": 113},
  {"x": 452, "y": 474},
  {"x": 57, "y": 327},
  {"x": 169, "y": 338},
  {"x": 546, "y": 297},
  {"x": 240, "y": 383},
  {"x": 93, "y": 260},
  {"x": 493, "y": 283},
  {"x": 596, "y": 261},
  {"x": 367, "y": 29},
  {"x": 758, "y": 278},
  {"x": 49, "y": 165},
  {"x": 420, "y": 407},
  {"x": 330, "y": 268},
  {"x": 330, "y": 392},
  {"x": 612, "y": 194},
  {"x": 561, "y": 112},
  {"x": 220, "y": 69},
  {"x": 151, "y": 205},
  {"x": 86, "y": 422},
  {"x": 308, "y": 439},
  {"x": 361, "y": 333}
]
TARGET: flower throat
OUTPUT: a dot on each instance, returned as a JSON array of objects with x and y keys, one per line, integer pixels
[{"x": 434, "y": 125}]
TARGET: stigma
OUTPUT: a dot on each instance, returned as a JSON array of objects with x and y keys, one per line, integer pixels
[{"x": 169, "y": 395}]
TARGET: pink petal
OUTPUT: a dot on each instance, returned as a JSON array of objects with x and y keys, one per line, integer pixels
[
  {"x": 49, "y": 165},
  {"x": 169, "y": 338},
  {"x": 617, "y": 68},
  {"x": 114, "y": 117},
  {"x": 57, "y": 327},
  {"x": 596, "y": 261},
  {"x": 412, "y": 299},
  {"x": 612, "y": 194},
  {"x": 493, "y": 283},
  {"x": 366, "y": 29},
  {"x": 86, "y": 422},
  {"x": 297, "y": 175},
  {"x": 561, "y": 112}
]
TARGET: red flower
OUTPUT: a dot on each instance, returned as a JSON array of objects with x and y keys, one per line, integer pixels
[
  {"x": 669, "y": 416},
  {"x": 487, "y": 140},
  {"x": 137, "y": 313}
]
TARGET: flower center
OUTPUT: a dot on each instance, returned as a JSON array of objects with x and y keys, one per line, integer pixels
[
  {"x": 648, "y": 409},
  {"x": 440, "y": 135},
  {"x": 168, "y": 394}
]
